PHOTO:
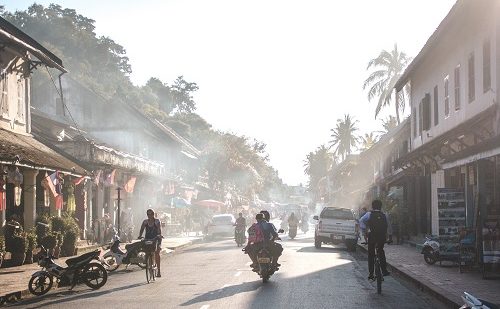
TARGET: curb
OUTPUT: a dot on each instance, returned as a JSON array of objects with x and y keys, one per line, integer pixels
[
  {"x": 25, "y": 294},
  {"x": 422, "y": 285}
]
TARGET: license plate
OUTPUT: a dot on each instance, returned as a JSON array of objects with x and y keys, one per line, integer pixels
[
  {"x": 264, "y": 260},
  {"x": 337, "y": 237}
]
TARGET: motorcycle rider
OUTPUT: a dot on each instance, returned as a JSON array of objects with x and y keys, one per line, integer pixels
[
  {"x": 152, "y": 226},
  {"x": 293, "y": 221},
  {"x": 276, "y": 249},
  {"x": 379, "y": 227}
]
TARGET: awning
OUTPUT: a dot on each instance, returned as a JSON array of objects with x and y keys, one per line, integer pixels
[{"x": 25, "y": 150}]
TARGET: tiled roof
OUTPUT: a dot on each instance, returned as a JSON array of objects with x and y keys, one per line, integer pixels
[{"x": 33, "y": 153}]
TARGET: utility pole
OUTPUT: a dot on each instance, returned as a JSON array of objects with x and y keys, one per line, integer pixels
[{"x": 119, "y": 211}]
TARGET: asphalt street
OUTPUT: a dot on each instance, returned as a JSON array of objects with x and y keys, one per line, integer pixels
[{"x": 217, "y": 275}]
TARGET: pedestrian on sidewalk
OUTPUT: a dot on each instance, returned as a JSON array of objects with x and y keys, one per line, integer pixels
[{"x": 377, "y": 226}]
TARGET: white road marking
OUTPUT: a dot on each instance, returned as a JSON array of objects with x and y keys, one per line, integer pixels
[
  {"x": 205, "y": 307},
  {"x": 237, "y": 274}
]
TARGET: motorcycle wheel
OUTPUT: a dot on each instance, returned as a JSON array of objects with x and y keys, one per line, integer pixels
[
  {"x": 110, "y": 263},
  {"x": 94, "y": 276},
  {"x": 142, "y": 256},
  {"x": 429, "y": 257},
  {"x": 40, "y": 284}
]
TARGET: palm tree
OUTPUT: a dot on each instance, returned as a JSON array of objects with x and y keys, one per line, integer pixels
[
  {"x": 317, "y": 165},
  {"x": 388, "y": 69},
  {"x": 367, "y": 141},
  {"x": 389, "y": 123},
  {"x": 343, "y": 136}
]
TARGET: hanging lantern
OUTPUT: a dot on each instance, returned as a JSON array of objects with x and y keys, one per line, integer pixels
[
  {"x": 46, "y": 198},
  {"x": 17, "y": 195}
]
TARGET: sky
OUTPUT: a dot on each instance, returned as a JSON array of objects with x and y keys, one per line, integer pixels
[{"x": 279, "y": 71}]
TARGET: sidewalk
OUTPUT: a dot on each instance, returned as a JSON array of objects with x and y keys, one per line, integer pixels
[
  {"x": 14, "y": 280},
  {"x": 445, "y": 282}
]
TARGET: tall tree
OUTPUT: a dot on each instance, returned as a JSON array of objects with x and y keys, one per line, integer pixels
[
  {"x": 389, "y": 123},
  {"x": 344, "y": 136},
  {"x": 316, "y": 166},
  {"x": 367, "y": 141},
  {"x": 389, "y": 67}
]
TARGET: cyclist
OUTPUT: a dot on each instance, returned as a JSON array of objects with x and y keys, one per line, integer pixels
[
  {"x": 152, "y": 226},
  {"x": 378, "y": 228}
]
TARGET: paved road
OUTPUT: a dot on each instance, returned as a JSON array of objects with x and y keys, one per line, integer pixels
[{"x": 217, "y": 275}]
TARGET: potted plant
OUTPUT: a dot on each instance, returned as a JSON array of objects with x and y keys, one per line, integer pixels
[
  {"x": 57, "y": 248},
  {"x": 49, "y": 242},
  {"x": 18, "y": 249},
  {"x": 69, "y": 244},
  {"x": 30, "y": 246}
]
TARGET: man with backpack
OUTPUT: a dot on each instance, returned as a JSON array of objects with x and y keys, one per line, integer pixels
[
  {"x": 260, "y": 233},
  {"x": 377, "y": 226}
]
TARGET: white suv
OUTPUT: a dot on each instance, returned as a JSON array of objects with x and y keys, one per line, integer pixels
[{"x": 336, "y": 225}]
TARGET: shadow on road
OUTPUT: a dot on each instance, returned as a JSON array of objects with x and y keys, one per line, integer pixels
[
  {"x": 313, "y": 249},
  {"x": 224, "y": 292},
  {"x": 55, "y": 298}
]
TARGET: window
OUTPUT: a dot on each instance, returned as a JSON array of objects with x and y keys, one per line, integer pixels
[
  {"x": 446, "y": 96},
  {"x": 472, "y": 79},
  {"x": 420, "y": 117},
  {"x": 457, "y": 87},
  {"x": 337, "y": 213},
  {"x": 486, "y": 66},
  {"x": 414, "y": 122},
  {"x": 4, "y": 97},
  {"x": 436, "y": 106},
  {"x": 21, "y": 95},
  {"x": 426, "y": 112}
]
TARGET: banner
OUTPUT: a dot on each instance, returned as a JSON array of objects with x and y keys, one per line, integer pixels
[
  {"x": 129, "y": 186},
  {"x": 50, "y": 182}
]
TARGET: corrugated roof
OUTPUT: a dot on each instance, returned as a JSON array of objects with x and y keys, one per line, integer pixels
[
  {"x": 14, "y": 34},
  {"x": 33, "y": 153}
]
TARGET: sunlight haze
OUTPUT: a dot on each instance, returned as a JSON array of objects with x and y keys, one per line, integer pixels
[{"x": 282, "y": 72}]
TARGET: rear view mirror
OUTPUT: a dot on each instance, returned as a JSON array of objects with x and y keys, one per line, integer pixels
[{"x": 316, "y": 218}]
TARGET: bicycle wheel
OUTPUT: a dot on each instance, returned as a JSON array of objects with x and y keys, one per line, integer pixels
[
  {"x": 152, "y": 267},
  {"x": 378, "y": 276},
  {"x": 148, "y": 264}
]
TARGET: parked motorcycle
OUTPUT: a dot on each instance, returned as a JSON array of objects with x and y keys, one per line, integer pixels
[
  {"x": 434, "y": 251},
  {"x": 114, "y": 257},
  {"x": 239, "y": 236},
  {"x": 292, "y": 231},
  {"x": 81, "y": 269},
  {"x": 472, "y": 302}
]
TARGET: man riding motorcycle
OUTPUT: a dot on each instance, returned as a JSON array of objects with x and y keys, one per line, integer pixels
[
  {"x": 270, "y": 234},
  {"x": 241, "y": 225}
]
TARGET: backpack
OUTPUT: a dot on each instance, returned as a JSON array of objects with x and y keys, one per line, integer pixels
[
  {"x": 255, "y": 233},
  {"x": 377, "y": 223}
]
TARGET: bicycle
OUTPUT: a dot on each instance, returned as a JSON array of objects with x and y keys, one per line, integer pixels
[
  {"x": 379, "y": 276},
  {"x": 149, "y": 246}
]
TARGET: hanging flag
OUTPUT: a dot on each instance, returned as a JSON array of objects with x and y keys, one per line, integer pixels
[
  {"x": 129, "y": 186},
  {"x": 77, "y": 181},
  {"x": 50, "y": 182},
  {"x": 59, "y": 201},
  {"x": 2, "y": 194},
  {"x": 97, "y": 178},
  {"x": 110, "y": 178}
]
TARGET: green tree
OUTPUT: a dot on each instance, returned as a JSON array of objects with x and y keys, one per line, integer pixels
[
  {"x": 344, "y": 137},
  {"x": 388, "y": 66},
  {"x": 367, "y": 141},
  {"x": 317, "y": 165},
  {"x": 389, "y": 123}
]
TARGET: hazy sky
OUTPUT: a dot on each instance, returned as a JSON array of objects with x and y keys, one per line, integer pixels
[{"x": 280, "y": 71}]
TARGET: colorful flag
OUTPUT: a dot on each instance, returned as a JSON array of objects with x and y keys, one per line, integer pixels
[
  {"x": 129, "y": 186},
  {"x": 59, "y": 201},
  {"x": 97, "y": 178},
  {"x": 110, "y": 178},
  {"x": 51, "y": 182},
  {"x": 77, "y": 181}
]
